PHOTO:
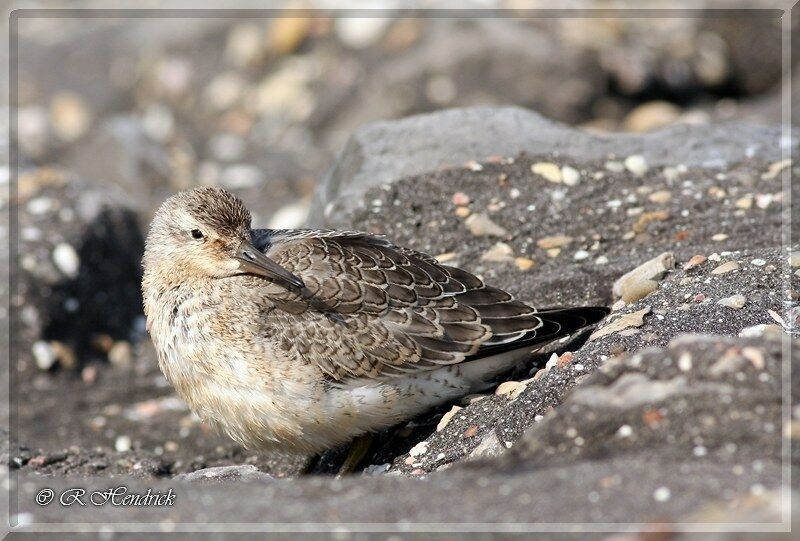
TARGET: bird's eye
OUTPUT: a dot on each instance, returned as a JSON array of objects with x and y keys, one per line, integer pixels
[{"x": 196, "y": 234}]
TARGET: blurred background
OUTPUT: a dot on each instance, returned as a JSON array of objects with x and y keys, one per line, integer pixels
[
  {"x": 115, "y": 114},
  {"x": 261, "y": 106}
]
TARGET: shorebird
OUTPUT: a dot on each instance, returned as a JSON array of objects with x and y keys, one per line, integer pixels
[{"x": 298, "y": 341}]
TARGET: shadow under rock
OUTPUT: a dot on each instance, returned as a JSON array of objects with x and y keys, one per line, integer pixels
[{"x": 105, "y": 297}]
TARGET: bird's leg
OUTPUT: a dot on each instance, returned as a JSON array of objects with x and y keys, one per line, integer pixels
[{"x": 358, "y": 450}]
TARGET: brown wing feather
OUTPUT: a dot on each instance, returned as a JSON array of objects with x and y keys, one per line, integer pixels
[{"x": 371, "y": 309}]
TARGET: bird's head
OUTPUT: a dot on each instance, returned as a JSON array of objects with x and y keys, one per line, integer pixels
[{"x": 205, "y": 233}]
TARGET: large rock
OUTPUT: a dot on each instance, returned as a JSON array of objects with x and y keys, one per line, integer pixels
[
  {"x": 687, "y": 301},
  {"x": 384, "y": 152}
]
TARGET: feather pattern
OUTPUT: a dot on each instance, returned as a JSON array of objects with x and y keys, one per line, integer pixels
[{"x": 374, "y": 310}]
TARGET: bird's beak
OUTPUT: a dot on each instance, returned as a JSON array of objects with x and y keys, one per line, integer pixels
[{"x": 252, "y": 261}]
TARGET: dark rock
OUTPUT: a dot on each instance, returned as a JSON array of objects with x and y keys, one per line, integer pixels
[{"x": 79, "y": 267}]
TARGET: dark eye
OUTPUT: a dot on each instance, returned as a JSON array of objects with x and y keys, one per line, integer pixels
[{"x": 196, "y": 234}]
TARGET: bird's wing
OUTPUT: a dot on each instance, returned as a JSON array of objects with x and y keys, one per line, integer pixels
[{"x": 370, "y": 309}]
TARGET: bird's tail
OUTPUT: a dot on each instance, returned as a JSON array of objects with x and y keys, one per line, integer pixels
[{"x": 496, "y": 358}]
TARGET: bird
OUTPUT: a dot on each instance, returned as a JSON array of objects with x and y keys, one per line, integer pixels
[{"x": 300, "y": 341}]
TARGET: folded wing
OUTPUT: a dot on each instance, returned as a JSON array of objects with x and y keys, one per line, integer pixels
[{"x": 374, "y": 310}]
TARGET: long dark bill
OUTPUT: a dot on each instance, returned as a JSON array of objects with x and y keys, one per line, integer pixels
[{"x": 254, "y": 262}]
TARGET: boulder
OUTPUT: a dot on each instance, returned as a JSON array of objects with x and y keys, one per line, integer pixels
[{"x": 381, "y": 153}]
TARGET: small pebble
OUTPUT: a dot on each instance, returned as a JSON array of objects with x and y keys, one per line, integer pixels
[
  {"x": 636, "y": 164},
  {"x": 89, "y": 374},
  {"x": 481, "y": 225},
  {"x": 565, "y": 359},
  {"x": 66, "y": 259},
  {"x": 460, "y": 199},
  {"x": 726, "y": 267},
  {"x": 580, "y": 255},
  {"x": 548, "y": 170},
  {"x": 499, "y": 253},
  {"x": 758, "y": 262},
  {"x": 794, "y": 259},
  {"x": 570, "y": 175},
  {"x": 775, "y": 168},
  {"x": 719, "y": 237},
  {"x": 735, "y": 301},
  {"x": 661, "y": 196},
  {"x": 507, "y": 387},
  {"x": 524, "y": 263},
  {"x": 445, "y": 420},
  {"x": 419, "y": 449},
  {"x": 556, "y": 241},
  {"x": 662, "y": 494},
  {"x": 65, "y": 355},
  {"x": 43, "y": 354},
  {"x": 755, "y": 356},
  {"x": 361, "y": 32},
  {"x": 70, "y": 116},
  {"x": 120, "y": 354},
  {"x": 122, "y": 444},
  {"x": 625, "y": 431},
  {"x": 685, "y": 362},
  {"x": 695, "y": 261},
  {"x": 763, "y": 200}
]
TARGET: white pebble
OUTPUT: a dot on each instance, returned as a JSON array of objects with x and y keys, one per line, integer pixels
[
  {"x": 636, "y": 164},
  {"x": 570, "y": 176},
  {"x": 700, "y": 451},
  {"x": 734, "y": 301},
  {"x": 360, "y": 32},
  {"x": 122, "y": 444},
  {"x": 41, "y": 205},
  {"x": 662, "y": 494},
  {"x": 625, "y": 431},
  {"x": 44, "y": 354},
  {"x": 602, "y": 260},
  {"x": 419, "y": 449},
  {"x": 580, "y": 255},
  {"x": 758, "y": 262},
  {"x": 66, "y": 259}
]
